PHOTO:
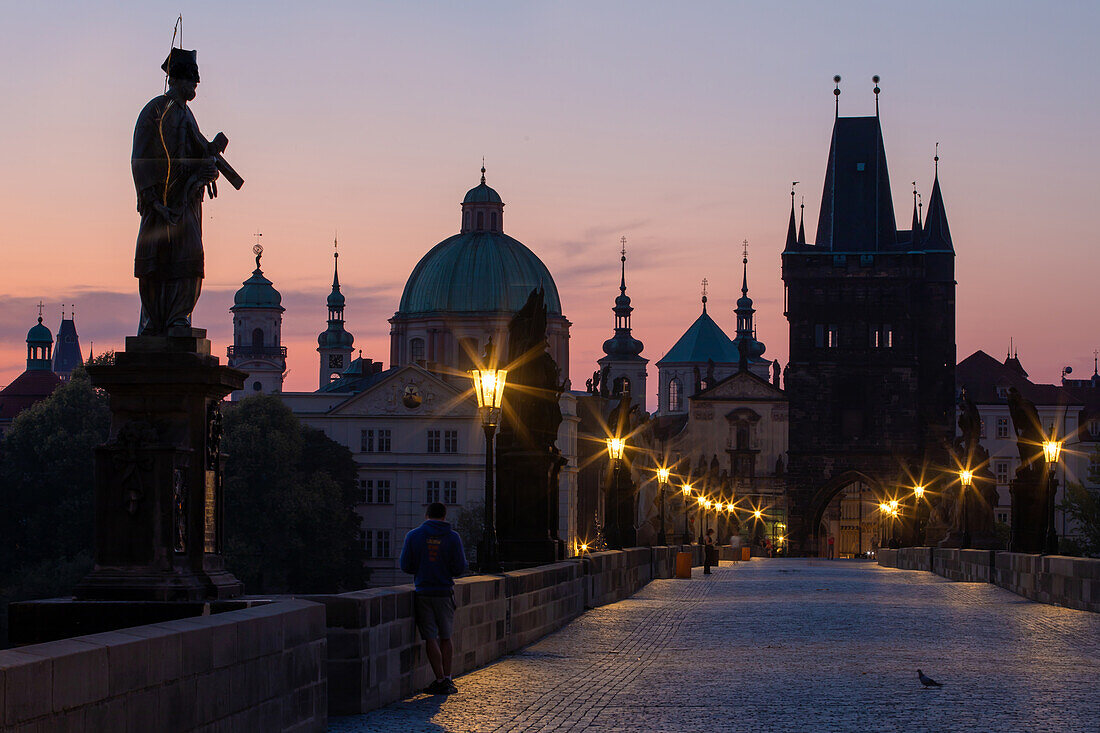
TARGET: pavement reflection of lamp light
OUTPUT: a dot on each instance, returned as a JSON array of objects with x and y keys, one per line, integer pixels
[
  {"x": 662, "y": 482},
  {"x": 489, "y": 390},
  {"x": 1052, "y": 451},
  {"x": 966, "y": 480}
]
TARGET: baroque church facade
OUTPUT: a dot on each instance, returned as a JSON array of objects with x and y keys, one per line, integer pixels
[{"x": 414, "y": 428}]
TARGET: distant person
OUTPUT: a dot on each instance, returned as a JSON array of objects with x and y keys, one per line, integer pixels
[
  {"x": 768, "y": 546},
  {"x": 832, "y": 548},
  {"x": 710, "y": 551},
  {"x": 433, "y": 553}
]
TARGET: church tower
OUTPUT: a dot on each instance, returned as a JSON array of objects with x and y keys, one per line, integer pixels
[
  {"x": 257, "y": 334},
  {"x": 334, "y": 343},
  {"x": 749, "y": 350},
  {"x": 871, "y": 311},
  {"x": 623, "y": 370},
  {"x": 67, "y": 355}
]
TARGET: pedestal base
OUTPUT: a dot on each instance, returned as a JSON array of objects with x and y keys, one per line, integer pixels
[{"x": 519, "y": 554}]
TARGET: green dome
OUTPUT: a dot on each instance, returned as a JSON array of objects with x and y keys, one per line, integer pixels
[
  {"x": 477, "y": 272},
  {"x": 258, "y": 292},
  {"x": 482, "y": 194},
  {"x": 39, "y": 334}
]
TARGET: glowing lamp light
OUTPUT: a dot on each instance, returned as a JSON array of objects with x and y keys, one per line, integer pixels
[
  {"x": 894, "y": 505},
  {"x": 884, "y": 507},
  {"x": 918, "y": 491},
  {"x": 966, "y": 476},
  {"x": 615, "y": 447},
  {"x": 709, "y": 504},
  {"x": 662, "y": 475},
  {"x": 702, "y": 501},
  {"x": 757, "y": 513},
  {"x": 1052, "y": 449},
  {"x": 686, "y": 489},
  {"x": 584, "y": 547},
  {"x": 489, "y": 386}
]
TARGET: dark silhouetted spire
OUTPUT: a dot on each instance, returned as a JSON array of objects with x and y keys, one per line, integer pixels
[
  {"x": 877, "y": 90},
  {"x": 802, "y": 222},
  {"x": 622, "y": 344},
  {"x": 916, "y": 214},
  {"x": 836, "y": 93},
  {"x": 792, "y": 232},
  {"x": 937, "y": 235}
]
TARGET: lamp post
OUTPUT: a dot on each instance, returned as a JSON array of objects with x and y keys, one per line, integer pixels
[
  {"x": 686, "y": 489},
  {"x": 1052, "y": 451},
  {"x": 489, "y": 389},
  {"x": 918, "y": 512},
  {"x": 615, "y": 447},
  {"x": 702, "y": 502},
  {"x": 662, "y": 482},
  {"x": 966, "y": 480}
]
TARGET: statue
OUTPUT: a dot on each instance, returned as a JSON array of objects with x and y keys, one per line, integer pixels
[
  {"x": 173, "y": 167},
  {"x": 968, "y": 515},
  {"x": 1029, "y": 488},
  {"x": 528, "y": 460}
]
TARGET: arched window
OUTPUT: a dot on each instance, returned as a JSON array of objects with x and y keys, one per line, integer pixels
[
  {"x": 257, "y": 338},
  {"x": 466, "y": 220},
  {"x": 675, "y": 395},
  {"x": 416, "y": 350},
  {"x": 480, "y": 220},
  {"x": 493, "y": 221}
]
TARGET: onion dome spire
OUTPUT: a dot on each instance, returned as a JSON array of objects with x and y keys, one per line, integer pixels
[
  {"x": 622, "y": 344},
  {"x": 747, "y": 346},
  {"x": 39, "y": 345}
]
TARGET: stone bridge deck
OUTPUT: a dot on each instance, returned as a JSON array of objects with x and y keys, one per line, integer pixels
[{"x": 786, "y": 645}]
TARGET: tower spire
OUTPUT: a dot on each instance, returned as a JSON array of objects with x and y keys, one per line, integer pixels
[
  {"x": 622, "y": 281},
  {"x": 745, "y": 268},
  {"x": 792, "y": 232},
  {"x": 802, "y": 222},
  {"x": 937, "y": 235},
  {"x": 335, "y": 263},
  {"x": 483, "y": 170},
  {"x": 836, "y": 93},
  {"x": 704, "y": 284},
  {"x": 916, "y": 213},
  {"x": 875, "y": 79}
]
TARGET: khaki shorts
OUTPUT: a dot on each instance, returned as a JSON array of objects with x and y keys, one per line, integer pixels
[{"x": 435, "y": 616}]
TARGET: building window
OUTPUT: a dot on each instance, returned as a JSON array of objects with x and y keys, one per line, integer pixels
[
  {"x": 1094, "y": 428},
  {"x": 373, "y": 491},
  {"x": 257, "y": 387},
  {"x": 450, "y": 441},
  {"x": 882, "y": 337},
  {"x": 1002, "y": 472},
  {"x": 375, "y": 542},
  {"x": 416, "y": 351},
  {"x": 1094, "y": 467},
  {"x": 1002, "y": 517},
  {"x": 1002, "y": 428},
  {"x": 366, "y": 441},
  {"x": 257, "y": 338},
  {"x": 621, "y": 388},
  {"x": 433, "y": 441},
  {"x": 675, "y": 395},
  {"x": 826, "y": 337},
  {"x": 493, "y": 221},
  {"x": 480, "y": 220},
  {"x": 981, "y": 429},
  {"x": 450, "y": 492},
  {"x": 432, "y": 493},
  {"x": 383, "y": 441},
  {"x": 832, "y": 339}
]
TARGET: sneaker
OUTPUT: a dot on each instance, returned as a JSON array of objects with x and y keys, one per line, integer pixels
[
  {"x": 437, "y": 687},
  {"x": 449, "y": 687}
]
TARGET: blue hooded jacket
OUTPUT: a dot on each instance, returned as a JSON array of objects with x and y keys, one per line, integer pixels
[{"x": 433, "y": 553}]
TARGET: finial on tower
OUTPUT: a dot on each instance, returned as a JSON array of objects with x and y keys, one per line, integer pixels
[
  {"x": 704, "y": 283},
  {"x": 41, "y": 305},
  {"x": 836, "y": 93},
  {"x": 877, "y": 90},
  {"x": 936, "y": 160},
  {"x": 622, "y": 281},
  {"x": 258, "y": 249},
  {"x": 483, "y": 170}
]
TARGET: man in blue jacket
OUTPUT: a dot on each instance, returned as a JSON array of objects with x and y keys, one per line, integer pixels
[{"x": 433, "y": 553}]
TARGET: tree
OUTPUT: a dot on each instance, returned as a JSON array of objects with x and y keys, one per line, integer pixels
[
  {"x": 1083, "y": 507},
  {"x": 47, "y": 492},
  {"x": 290, "y": 523}
]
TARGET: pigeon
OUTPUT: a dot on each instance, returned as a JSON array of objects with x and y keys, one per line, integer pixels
[{"x": 927, "y": 681}]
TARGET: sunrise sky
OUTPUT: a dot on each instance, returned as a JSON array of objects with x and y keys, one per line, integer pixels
[{"x": 678, "y": 125}]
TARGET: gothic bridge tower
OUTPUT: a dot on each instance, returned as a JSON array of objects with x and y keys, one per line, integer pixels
[{"x": 871, "y": 311}]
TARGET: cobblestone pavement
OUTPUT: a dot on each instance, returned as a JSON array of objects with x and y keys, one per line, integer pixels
[{"x": 786, "y": 645}]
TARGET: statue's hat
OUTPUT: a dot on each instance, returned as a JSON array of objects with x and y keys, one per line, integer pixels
[{"x": 182, "y": 64}]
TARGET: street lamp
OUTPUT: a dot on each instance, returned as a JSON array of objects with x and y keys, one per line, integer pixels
[
  {"x": 615, "y": 449},
  {"x": 662, "y": 482},
  {"x": 686, "y": 489},
  {"x": 1052, "y": 451},
  {"x": 966, "y": 480},
  {"x": 489, "y": 389},
  {"x": 918, "y": 512}
]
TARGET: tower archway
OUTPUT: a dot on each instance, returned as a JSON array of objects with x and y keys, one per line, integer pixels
[{"x": 846, "y": 510}]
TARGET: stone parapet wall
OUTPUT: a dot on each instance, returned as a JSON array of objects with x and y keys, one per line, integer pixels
[
  {"x": 1073, "y": 582},
  {"x": 376, "y": 655},
  {"x": 255, "y": 669}
]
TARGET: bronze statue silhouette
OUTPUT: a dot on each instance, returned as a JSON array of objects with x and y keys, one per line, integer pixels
[{"x": 173, "y": 167}]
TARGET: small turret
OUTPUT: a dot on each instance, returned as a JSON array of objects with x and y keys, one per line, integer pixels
[{"x": 334, "y": 344}]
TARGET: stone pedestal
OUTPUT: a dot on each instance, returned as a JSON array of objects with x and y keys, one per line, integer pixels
[
  {"x": 527, "y": 507},
  {"x": 158, "y": 523}
]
